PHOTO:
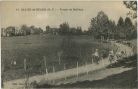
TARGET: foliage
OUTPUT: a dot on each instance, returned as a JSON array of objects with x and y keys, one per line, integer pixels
[
  {"x": 64, "y": 29},
  {"x": 22, "y": 31},
  {"x": 25, "y": 30},
  {"x": 102, "y": 26},
  {"x": 132, "y": 5},
  {"x": 10, "y": 30},
  {"x": 47, "y": 29},
  {"x": 35, "y": 30}
]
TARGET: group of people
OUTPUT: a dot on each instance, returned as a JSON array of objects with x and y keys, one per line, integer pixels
[{"x": 112, "y": 56}]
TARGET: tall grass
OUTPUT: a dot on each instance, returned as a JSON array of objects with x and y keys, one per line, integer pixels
[{"x": 33, "y": 48}]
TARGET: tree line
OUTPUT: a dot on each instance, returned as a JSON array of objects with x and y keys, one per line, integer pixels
[
  {"x": 102, "y": 27},
  {"x": 64, "y": 29},
  {"x": 21, "y": 31}
]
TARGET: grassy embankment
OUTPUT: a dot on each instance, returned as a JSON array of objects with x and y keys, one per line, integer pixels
[{"x": 34, "y": 47}]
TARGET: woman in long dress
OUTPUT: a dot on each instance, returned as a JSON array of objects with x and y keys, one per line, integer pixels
[{"x": 96, "y": 57}]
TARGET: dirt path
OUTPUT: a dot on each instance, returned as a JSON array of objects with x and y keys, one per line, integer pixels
[
  {"x": 95, "y": 75},
  {"x": 19, "y": 83},
  {"x": 102, "y": 73}
]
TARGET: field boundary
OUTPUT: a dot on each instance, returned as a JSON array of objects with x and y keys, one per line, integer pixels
[{"x": 19, "y": 83}]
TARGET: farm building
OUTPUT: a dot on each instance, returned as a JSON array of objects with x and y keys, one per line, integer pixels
[{"x": 3, "y": 32}]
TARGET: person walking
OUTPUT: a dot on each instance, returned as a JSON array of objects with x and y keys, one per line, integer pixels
[{"x": 96, "y": 56}]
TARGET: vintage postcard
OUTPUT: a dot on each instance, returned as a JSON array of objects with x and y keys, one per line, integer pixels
[{"x": 68, "y": 44}]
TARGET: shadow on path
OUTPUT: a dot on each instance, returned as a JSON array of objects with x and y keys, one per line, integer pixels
[{"x": 127, "y": 62}]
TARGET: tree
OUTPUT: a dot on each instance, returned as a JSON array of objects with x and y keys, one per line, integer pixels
[
  {"x": 120, "y": 22},
  {"x": 134, "y": 31},
  {"x": 99, "y": 25},
  {"x": 112, "y": 29},
  {"x": 128, "y": 27},
  {"x": 25, "y": 30},
  {"x": 125, "y": 28},
  {"x": 64, "y": 28},
  {"x": 47, "y": 29},
  {"x": 102, "y": 22},
  {"x": 78, "y": 31},
  {"x": 132, "y": 5},
  {"x": 128, "y": 22},
  {"x": 93, "y": 29},
  {"x": 73, "y": 30},
  {"x": 120, "y": 28},
  {"x": 38, "y": 30},
  {"x": 10, "y": 31}
]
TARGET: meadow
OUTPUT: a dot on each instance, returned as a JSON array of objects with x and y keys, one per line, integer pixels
[{"x": 34, "y": 48}]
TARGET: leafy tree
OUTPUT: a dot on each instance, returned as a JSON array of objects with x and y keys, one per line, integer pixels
[
  {"x": 37, "y": 30},
  {"x": 134, "y": 32},
  {"x": 73, "y": 30},
  {"x": 125, "y": 28},
  {"x": 64, "y": 28},
  {"x": 78, "y": 31},
  {"x": 25, "y": 30},
  {"x": 120, "y": 22},
  {"x": 128, "y": 27},
  {"x": 112, "y": 29},
  {"x": 10, "y": 31},
  {"x": 99, "y": 25},
  {"x": 120, "y": 28},
  {"x": 128, "y": 22},
  {"x": 47, "y": 29},
  {"x": 93, "y": 29},
  {"x": 132, "y": 5},
  {"x": 102, "y": 22}
]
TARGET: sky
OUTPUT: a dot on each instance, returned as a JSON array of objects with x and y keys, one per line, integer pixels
[{"x": 12, "y": 14}]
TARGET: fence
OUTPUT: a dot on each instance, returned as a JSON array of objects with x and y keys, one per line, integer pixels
[{"x": 64, "y": 74}]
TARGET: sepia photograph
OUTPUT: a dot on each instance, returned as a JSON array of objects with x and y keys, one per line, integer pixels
[{"x": 69, "y": 44}]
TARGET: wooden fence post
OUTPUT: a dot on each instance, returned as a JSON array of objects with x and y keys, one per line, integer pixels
[
  {"x": 45, "y": 64},
  {"x": 77, "y": 69},
  {"x": 59, "y": 60},
  {"x": 26, "y": 79},
  {"x": 65, "y": 71},
  {"x": 86, "y": 68},
  {"x": 53, "y": 72},
  {"x": 46, "y": 70},
  {"x": 92, "y": 60}
]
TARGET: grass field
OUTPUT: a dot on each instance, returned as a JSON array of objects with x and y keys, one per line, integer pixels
[{"x": 33, "y": 48}]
